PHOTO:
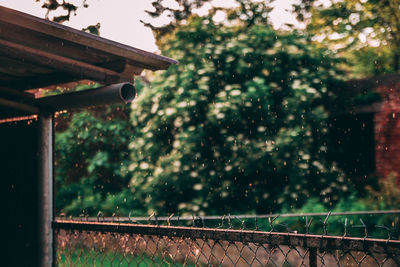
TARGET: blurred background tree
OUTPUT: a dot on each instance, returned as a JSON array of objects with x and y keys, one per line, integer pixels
[
  {"x": 92, "y": 145},
  {"x": 240, "y": 124},
  {"x": 92, "y": 158},
  {"x": 177, "y": 12},
  {"x": 367, "y": 32},
  {"x": 70, "y": 8}
]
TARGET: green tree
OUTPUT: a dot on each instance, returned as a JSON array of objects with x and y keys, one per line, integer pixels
[
  {"x": 70, "y": 8},
  {"x": 179, "y": 11},
  {"x": 92, "y": 159},
  {"x": 240, "y": 124},
  {"x": 92, "y": 152},
  {"x": 368, "y": 29}
]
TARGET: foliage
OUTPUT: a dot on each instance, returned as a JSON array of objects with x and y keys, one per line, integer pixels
[
  {"x": 371, "y": 61},
  {"x": 69, "y": 6},
  {"x": 359, "y": 25},
  {"x": 378, "y": 225},
  {"x": 387, "y": 196},
  {"x": 177, "y": 12},
  {"x": 81, "y": 257},
  {"x": 239, "y": 125},
  {"x": 91, "y": 158}
]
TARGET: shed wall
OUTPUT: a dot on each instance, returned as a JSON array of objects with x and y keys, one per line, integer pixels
[{"x": 19, "y": 176}]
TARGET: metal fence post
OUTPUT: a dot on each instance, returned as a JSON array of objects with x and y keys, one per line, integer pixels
[
  {"x": 313, "y": 257},
  {"x": 45, "y": 190}
]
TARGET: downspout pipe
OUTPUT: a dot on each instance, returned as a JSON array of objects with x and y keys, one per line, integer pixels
[{"x": 110, "y": 94}]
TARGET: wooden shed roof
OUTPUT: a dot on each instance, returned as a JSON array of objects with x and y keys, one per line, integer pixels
[{"x": 37, "y": 53}]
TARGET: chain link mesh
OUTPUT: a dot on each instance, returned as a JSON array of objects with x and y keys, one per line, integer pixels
[{"x": 201, "y": 242}]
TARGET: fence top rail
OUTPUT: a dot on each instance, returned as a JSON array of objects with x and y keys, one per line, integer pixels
[
  {"x": 153, "y": 217},
  {"x": 322, "y": 242}
]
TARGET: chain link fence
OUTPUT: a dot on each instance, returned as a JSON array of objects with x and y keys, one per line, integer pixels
[{"x": 264, "y": 240}]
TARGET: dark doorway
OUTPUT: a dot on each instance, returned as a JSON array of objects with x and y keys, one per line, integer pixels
[
  {"x": 18, "y": 157},
  {"x": 352, "y": 145}
]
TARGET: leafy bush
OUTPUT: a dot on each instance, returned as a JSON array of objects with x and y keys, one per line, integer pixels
[
  {"x": 240, "y": 124},
  {"x": 92, "y": 158}
]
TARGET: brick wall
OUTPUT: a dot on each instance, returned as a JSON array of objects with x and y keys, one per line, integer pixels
[{"x": 387, "y": 130}]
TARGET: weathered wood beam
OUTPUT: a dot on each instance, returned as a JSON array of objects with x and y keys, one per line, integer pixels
[
  {"x": 34, "y": 39},
  {"x": 56, "y": 78},
  {"x": 60, "y": 63},
  {"x": 145, "y": 59},
  {"x": 39, "y": 81},
  {"x": 17, "y": 106},
  {"x": 14, "y": 94},
  {"x": 122, "y": 66},
  {"x": 17, "y": 68}
]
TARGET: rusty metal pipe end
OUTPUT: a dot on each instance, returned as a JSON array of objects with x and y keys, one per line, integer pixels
[{"x": 127, "y": 92}]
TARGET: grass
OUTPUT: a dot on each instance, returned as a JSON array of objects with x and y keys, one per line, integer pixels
[{"x": 91, "y": 257}]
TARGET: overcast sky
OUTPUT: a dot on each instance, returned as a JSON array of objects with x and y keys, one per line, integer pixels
[{"x": 120, "y": 19}]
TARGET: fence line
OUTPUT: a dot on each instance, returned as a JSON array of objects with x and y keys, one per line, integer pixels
[
  {"x": 322, "y": 242},
  {"x": 154, "y": 218},
  {"x": 83, "y": 243}
]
